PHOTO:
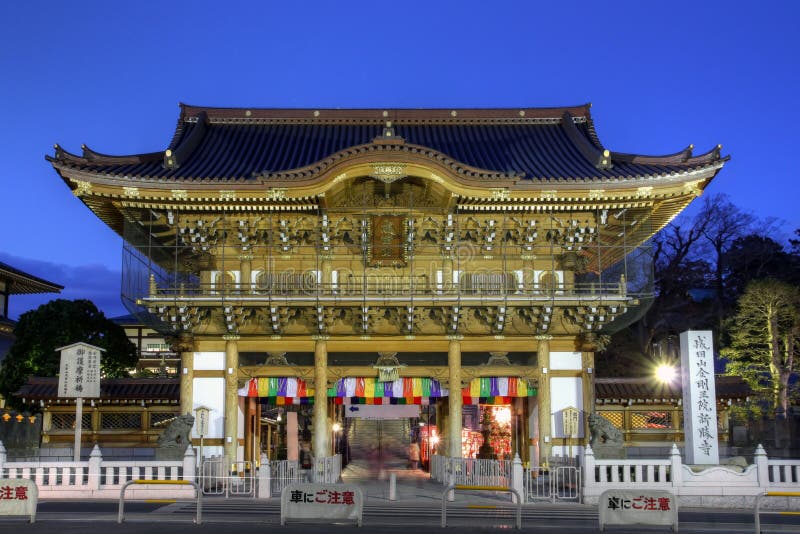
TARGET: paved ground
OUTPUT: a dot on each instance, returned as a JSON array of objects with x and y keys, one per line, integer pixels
[{"x": 417, "y": 508}]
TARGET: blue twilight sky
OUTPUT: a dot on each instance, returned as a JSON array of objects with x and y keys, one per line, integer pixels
[{"x": 660, "y": 75}]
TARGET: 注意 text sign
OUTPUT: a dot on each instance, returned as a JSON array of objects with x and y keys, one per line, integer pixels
[
  {"x": 79, "y": 374},
  {"x": 321, "y": 502},
  {"x": 18, "y": 496},
  {"x": 631, "y": 507}
]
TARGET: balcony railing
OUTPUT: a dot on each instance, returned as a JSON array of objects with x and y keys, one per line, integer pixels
[{"x": 391, "y": 288}]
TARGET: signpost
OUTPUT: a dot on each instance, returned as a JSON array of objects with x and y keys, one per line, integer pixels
[
  {"x": 79, "y": 378},
  {"x": 570, "y": 419},
  {"x": 201, "y": 426},
  {"x": 699, "y": 397}
]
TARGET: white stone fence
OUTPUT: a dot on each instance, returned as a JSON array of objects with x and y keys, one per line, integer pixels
[
  {"x": 724, "y": 486},
  {"x": 100, "y": 479}
]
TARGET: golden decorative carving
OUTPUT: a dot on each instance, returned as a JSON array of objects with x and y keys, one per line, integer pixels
[
  {"x": 276, "y": 193},
  {"x": 131, "y": 192},
  {"x": 388, "y": 172},
  {"x": 231, "y": 337},
  {"x": 227, "y": 195},
  {"x": 596, "y": 194},
  {"x": 179, "y": 194},
  {"x": 82, "y": 188},
  {"x": 644, "y": 192},
  {"x": 548, "y": 195},
  {"x": 500, "y": 194}
]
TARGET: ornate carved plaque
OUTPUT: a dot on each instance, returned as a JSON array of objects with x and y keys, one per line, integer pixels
[{"x": 387, "y": 241}]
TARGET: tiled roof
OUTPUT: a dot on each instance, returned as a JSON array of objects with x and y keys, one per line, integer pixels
[
  {"x": 21, "y": 282},
  {"x": 153, "y": 389},
  {"x": 728, "y": 387},
  {"x": 534, "y": 144}
]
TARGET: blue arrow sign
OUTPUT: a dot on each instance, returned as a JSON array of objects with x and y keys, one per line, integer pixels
[{"x": 353, "y": 408}]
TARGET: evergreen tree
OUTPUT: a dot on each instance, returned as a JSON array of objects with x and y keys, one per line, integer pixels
[{"x": 56, "y": 324}]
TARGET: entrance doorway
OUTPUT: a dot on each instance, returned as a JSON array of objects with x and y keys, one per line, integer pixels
[{"x": 378, "y": 437}]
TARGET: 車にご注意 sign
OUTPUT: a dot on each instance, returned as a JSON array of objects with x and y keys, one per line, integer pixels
[
  {"x": 18, "y": 496},
  {"x": 321, "y": 502},
  {"x": 634, "y": 507}
]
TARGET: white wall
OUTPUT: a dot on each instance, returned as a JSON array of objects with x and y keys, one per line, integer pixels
[
  {"x": 210, "y": 392},
  {"x": 209, "y": 361},
  {"x": 565, "y": 392},
  {"x": 565, "y": 361}
]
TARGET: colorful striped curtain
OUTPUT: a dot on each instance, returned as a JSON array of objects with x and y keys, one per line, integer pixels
[{"x": 369, "y": 390}]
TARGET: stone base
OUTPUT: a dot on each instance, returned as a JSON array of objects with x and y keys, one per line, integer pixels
[
  {"x": 170, "y": 454},
  {"x": 609, "y": 452}
]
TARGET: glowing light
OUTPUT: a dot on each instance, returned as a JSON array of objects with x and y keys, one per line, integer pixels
[
  {"x": 336, "y": 427},
  {"x": 666, "y": 373},
  {"x": 502, "y": 415},
  {"x": 434, "y": 440}
]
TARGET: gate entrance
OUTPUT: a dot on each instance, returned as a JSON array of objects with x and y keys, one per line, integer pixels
[{"x": 378, "y": 437}]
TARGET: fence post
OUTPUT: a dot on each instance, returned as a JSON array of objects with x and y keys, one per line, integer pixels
[
  {"x": 189, "y": 464},
  {"x": 676, "y": 466},
  {"x": 95, "y": 461},
  {"x": 517, "y": 478},
  {"x": 588, "y": 467},
  {"x": 762, "y": 466},
  {"x": 264, "y": 482},
  {"x": 3, "y": 457}
]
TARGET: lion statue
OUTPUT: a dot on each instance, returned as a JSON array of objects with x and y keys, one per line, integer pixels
[
  {"x": 603, "y": 432},
  {"x": 176, "y": 435}
]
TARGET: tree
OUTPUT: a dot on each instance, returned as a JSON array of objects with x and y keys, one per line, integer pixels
[
  {"x": 56, "y": 324},
  {"x": 765, "y": 338},
  {"x": 721, "y": 223}
]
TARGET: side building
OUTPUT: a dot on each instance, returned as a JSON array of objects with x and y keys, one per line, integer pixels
[
  {"x": 418, "y": 262},
  {"x": 16, "y": 282}
]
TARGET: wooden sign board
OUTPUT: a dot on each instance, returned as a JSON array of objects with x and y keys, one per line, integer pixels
[{"x": 79, "y": 372}]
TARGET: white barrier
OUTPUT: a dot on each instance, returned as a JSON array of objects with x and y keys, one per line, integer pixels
[
  {"x": 720, "y": 486},
  {"x": 95, "y": 478}
]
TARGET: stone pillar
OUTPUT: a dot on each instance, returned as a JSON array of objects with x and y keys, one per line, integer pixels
[
  {"x": 320, "y": 443},
  {"x": 231, "y": 396},
  {"x": 543, "y": 396},
  {"x": 245, "y": 272},
  {"x": 185, "y": 346},
  {"x": 454, "y": 399},
  {"x": 189, "y": 464}
]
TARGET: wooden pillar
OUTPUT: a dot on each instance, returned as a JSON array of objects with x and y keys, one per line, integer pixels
[
  {"x": 447, "y": 274},
  {"x": 250, "y": 429},
  {"x": 327, "y": 274},
  {"x": 231, "y": 396},
  {"x": 543, "y": 395},
  {"x": 320, "y": 443},
  {"x": 246, "y": 273},
  {"x": 528, "y": 280},
  {"x": 454, "y": 399},
  {"x": 587, "y": 359},
  {"x": 185, "y": 346}
]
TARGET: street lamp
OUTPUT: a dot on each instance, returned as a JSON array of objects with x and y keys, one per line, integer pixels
[{"x": 666, "y": 373}]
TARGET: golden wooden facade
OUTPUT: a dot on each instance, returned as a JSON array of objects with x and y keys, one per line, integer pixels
[{"x": 390, "y": 247}]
